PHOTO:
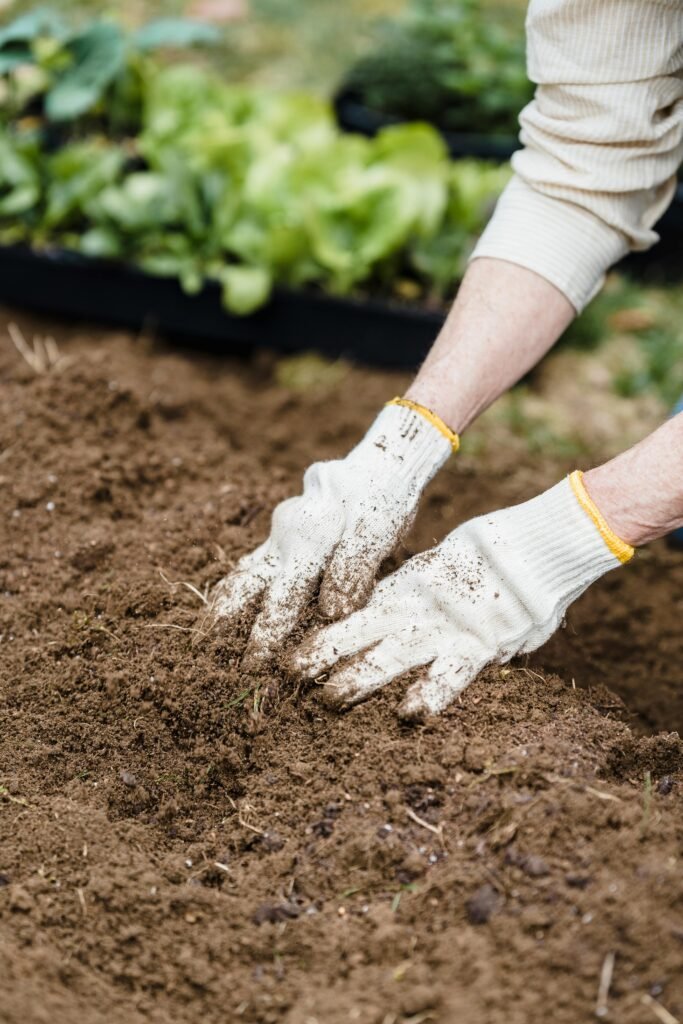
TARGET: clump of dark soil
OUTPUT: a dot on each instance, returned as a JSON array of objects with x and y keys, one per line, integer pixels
[{"x": 180, "y": 842}]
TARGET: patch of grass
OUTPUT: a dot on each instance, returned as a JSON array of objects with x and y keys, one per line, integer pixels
[
  {"x": 539, "y": 436},
  {"x": 654, "y": 317},
  {"x": 309, "y": 371},
  {"x": 620, "y": 295},
  {"x": 662, "y": 366},
  {"x": 396, "y": 901},
  {"x": 349, "y": 892}
]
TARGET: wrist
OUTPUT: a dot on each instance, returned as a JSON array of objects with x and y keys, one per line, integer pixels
[
  {"x": 448, "y": 404},
  {"x": 555, "y": 545},
  {"x": 410, "y": 442},
  {"x": 640, "y": 492},
  {"x": 605, "y": 493},
  {"x": 636, "y": 525},
  {"x": 565, "y": 539}
]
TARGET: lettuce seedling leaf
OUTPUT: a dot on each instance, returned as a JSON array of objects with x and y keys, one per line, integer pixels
[
  {"x": 97, "y": 55},
  {"x": 245, "y": 289},
  {"x": 176, "y": 33}
]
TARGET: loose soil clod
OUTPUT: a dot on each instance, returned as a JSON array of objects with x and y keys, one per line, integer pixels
[{"x": 180, "y": 841}]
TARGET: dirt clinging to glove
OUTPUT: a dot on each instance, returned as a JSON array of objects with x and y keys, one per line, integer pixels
[{"x": 182, "y": 842}]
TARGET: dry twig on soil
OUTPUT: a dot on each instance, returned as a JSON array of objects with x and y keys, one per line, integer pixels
[
  {"x": 660, "y": 1012},
  {"x": 436, "y": 829},
  {"x": 601, "y": 1008}
]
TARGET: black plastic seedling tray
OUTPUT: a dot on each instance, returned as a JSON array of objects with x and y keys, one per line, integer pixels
[
  {"x": 369, "y": 331},
  {"x": 354, "y": 116}
]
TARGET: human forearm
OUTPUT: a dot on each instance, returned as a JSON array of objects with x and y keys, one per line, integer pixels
[
  {"x": 640, "y": 492},
  {"x": 504, "y": 319},
  {"x": 602, "y": 140}
]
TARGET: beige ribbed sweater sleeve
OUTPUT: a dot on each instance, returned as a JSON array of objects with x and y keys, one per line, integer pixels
[{"x": 603, "y": 139}]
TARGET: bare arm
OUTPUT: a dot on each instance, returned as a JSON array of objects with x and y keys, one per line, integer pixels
[
  {"x": 640, "y": 492},
  {"x": 602, "y": 140},
  {"x": 504, "y": 320}
]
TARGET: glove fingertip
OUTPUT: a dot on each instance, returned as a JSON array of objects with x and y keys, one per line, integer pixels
[
  {"x": 338, "y": 697},
  {"x": 413, "y": 711},
  {"x": 334, "y": 604},
  {"x": 337, "y": 602},
  {"x": 262, "y": 647},
  {"x": 298, "y": 665}
]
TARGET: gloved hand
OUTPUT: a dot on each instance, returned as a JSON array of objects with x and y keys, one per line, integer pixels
[
  {"x": 351, "y": 515},
  {"x": 497, "y": 586}
]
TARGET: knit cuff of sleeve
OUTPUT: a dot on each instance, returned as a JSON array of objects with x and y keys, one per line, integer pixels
[
  {"x": 412, "y": 445},
  {"x": 569, "y": 247}
]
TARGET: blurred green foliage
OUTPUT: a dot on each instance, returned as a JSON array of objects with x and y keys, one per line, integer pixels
[
  {"x": 447, "y": 63},
  {"x": 97, "y": 68},
  {"x": 280, "y": 44},
  {"x": 186, "y": 175},
  {"x": 654, "y": 318},
  {"x": 277, "y": 43}
]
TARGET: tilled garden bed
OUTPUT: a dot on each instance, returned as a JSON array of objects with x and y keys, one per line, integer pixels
[{"x": 180, "y": 842}]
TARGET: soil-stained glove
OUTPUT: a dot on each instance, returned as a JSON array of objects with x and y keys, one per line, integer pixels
[
  {"x": 497, "y": 586},
  {"x": 351, "y": 515}
]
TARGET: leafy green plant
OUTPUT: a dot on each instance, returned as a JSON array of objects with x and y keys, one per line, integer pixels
[
  {"x": 446, "y": 62},
  {"x": 246, "y": 187},
  {"x": 653, "y": 319},
  {"x": 85, "y": 68},
  {"x": 16, "y": 39}
]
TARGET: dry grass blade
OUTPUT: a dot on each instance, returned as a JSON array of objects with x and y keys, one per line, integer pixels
[
  {"x": 436, "y": 829},
  {"x": 188, "y": 586},
  {"x": 6, "y": 452},
  {"x": 29, "y": 354},
  {"x": 19, "y": 800},
  {"x": 602, "y": 796},
  {"x": 660, "y": 1012},
  {"x": 601, "y": 1008},
  {"x": 41, "y": 355},
  {"x": 172, "y": 625},
  {"x": 243, "y": 823}
]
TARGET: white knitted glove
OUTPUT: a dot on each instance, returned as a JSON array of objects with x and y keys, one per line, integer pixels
[
  {"x": 498, "y": 586},
  {"x": 350, "y": 517}
]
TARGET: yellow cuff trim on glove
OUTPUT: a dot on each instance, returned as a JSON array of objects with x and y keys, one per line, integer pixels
[
  {"x": 431, "y": 417},
  {"x": 619, "y": 548}
]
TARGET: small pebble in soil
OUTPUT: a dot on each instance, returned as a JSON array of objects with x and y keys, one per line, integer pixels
[
  {"x": 482, "y": 904},
  {"x": 476, "y": 755},
  {"x": 20, "y": 901},
  {"x": 4, "y": 880},
  {"x": 272, "y": 841},
  {"x": 577, "y": 881},
  {"x": 128, "y": 779},
  {"x": 275, "y": 912},
  {"x": 665, "y": 785},
  {"x": 530, "y": 863}
]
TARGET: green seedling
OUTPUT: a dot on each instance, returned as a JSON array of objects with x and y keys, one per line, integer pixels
[
  {"x": 409, "y": 887},
  {"x": 235, "y": 702},
  {"x": 647, "y": 804}
]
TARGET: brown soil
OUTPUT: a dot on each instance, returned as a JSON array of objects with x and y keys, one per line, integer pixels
[{"x": 182, "y": 843}]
